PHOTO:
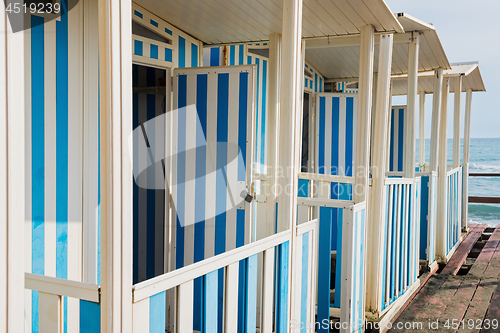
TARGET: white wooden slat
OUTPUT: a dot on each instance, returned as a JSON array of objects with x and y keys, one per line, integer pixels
[
  {"x": 389, "y": 241},
  {"x": 231, "y": 307},
  {"x": 399, "y": 220},
  {"x": 49, "y": 306},
  {"x": 4, "y": 301},
  {"x": 62, "y": 287},
  {"x": 190, "y": 171},
  {"x": 140, "y": 316},
  {"x": 268, "y": 291},
  {"x": 210, "y": 167},
  {"x": 232, "y": 168},
  {"x": 185, "y": 307}
]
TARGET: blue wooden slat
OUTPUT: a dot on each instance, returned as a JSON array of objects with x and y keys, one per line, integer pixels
[
  {"x": 90, "y": 317},
  {"x": 303, "y": 191},
  {"x": 324, "y": 263},
  {"x": 181, "y": 169},
  {"x": 194, "y": 55},
  {"x": 391, "y": 149},
  {"x": 251, "y": 307},
  {"x": 211, "y": 308},
  {"x": 400, "y": 138},
  {"x": 282, "y": 297},
  {"x": 321, "y": 134},
  {"x": 339, "y": 212},
  {"x": 138, "y": 47},
  {"x": 153, "y": 51},
  {"x": 304, "y": 281},
  {"x": 157, "y": 312}
]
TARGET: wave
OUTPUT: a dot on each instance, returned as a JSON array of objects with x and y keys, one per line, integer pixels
[
  {"x": 484, "y": 167},
  {"x": 484, "y": 212}
]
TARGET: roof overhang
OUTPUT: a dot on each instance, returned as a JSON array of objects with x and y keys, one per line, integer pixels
[
  {"x": 471, "y": 79},
  {"x": 237, "y": 21},
  {"x": 337, "y": 58}
]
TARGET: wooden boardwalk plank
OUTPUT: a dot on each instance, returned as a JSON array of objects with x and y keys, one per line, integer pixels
[
  {"x": 463, "y": 250},
  {"x": 446, "y": 296}
]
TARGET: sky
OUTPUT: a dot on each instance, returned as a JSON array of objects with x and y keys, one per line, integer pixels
[{"x": 467, "y": 29}]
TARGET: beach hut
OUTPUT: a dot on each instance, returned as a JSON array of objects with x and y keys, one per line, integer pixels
[
  {"x": 443, "y": 223},
  {"x": 217, "y": 167}
]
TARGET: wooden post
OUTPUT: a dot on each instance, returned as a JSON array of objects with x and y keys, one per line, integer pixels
[
  {"x": 379, "y": 152},
  {"x": 12, "y": 188},
  {"x": 468, "y": 117},
  {"x": 115, "y": 68},
  {"x": 289, "y": 139},
  {"x": 290, "y": 119},
  {"x": 456, "y": 121},
  {"x": 411, "y": 119},
  {"x": 436, "y": 106},
  {"x": 366, "y": 56},
  {"x": 421, "y": 136},
  {"x": 442, "y": 206},
  {"x": 273, "y": 133}
]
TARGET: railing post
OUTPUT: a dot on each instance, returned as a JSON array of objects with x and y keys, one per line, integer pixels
[
  {"x": 115, "y": 60},
  {"x": 12, "y": 188},
  {"x": 290, "y": 124},
  {"x": 442, "y": 206},
  {"x": 411, "y": 123},
  {"x": 421, "y": 136},
  {"x": 468, "y": 116},
  {"x": 379, "y": 152}
]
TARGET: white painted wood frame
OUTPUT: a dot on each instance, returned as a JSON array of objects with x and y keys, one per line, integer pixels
[
  {"x": 292, "y": 72},
  {"x": 442, "y": 206},
  {"x": 421, "y": 136},
  {"x": 91, "y": 144},
  {"x": 436, "y": 106},
  {"x": 456, "y": 120},
  {"x": 115, "y": 68},
  {"x": 12, "y": 189},
  {"x": 273, "y": 129},
  {"x": 411, "y": 119},
  {"x": 379, "y": 164},
  {"x": 366, "y": 59},
  {"x": 467, "y": 125}
]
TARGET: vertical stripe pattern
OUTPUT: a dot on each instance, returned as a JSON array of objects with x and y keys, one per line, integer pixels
[
  {"x": 336, "y": 133},
  {"x": 401, "y": 240},
  {"x": 54, "y": 136},
  {"x": 396, "y": 137},
  {"x": 210, "y": 212}
]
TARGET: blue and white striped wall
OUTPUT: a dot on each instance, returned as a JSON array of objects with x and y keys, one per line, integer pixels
[
  {"x": 396, "y": 138},
  {"x": 222, "y": 99},
  {"x": 336, "y": 135},
  {"x": 313, "y": 80},
  {"x": 54, "y": 224},
  {"x": 182, "y": 51}
]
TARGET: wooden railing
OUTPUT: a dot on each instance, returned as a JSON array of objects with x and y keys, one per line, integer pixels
[
  {"x": 454, "y": 207},
  {"x": 484, "y": 200},
  {"x": 50, "y": 293},
  {"x": 266, "y": 260},
  {"x": 401, "y": 238}
]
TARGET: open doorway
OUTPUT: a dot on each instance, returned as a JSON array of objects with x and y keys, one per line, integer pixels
[{"x": 151, "y": 100}]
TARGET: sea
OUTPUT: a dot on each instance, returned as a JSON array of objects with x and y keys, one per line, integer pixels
[{"x": 484, "y": 157}]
